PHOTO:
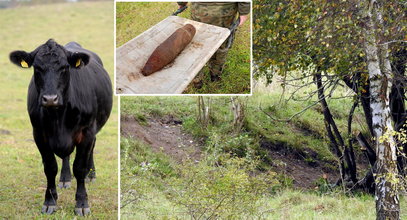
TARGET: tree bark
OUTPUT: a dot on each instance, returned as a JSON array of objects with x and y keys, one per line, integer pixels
[
  {"x": 238, "y": 109},
  {"x": 343, "y": 153},
  {"x": 350, "y": 155},
  {"x": 370, "y": 153},
  {"x": 355, "y": 84},
  {"x": 387, "y": 199},
  {"x": 203, "y": 111}
]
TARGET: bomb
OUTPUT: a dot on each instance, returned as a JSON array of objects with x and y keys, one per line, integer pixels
[{"x": 167, "y": 51}]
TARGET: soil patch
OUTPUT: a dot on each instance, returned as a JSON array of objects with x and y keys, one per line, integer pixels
[
  {"x": 163, "y": 135},
  {"x": 305, "y": 171},
  {"x": 5, "y": 132}
]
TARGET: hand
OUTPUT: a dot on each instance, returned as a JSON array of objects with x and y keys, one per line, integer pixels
[
  {"x": 182, "y": 4},
  {"x": 243, "y": 18}
]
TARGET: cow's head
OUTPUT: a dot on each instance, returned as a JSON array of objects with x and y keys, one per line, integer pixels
[{"x": 53, "y": 65}]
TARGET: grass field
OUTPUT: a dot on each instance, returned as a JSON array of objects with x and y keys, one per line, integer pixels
[
  {"x": 133, "y": 19},
  {"x": 304, "y": 133},
  {"x": 21, "y": 171},
  {"x": 155, "y": 203}
]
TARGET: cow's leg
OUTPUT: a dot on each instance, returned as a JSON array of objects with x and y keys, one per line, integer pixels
[
  {"x": 51, "y": 170},
  {"x": 91, "y": 177},
  {"x": 80, "y": 170},
  {"x": 66, "y": 176}
]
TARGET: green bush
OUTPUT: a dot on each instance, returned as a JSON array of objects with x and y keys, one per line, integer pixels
[
  {"x": 241, "y": 145},
  {"x": 227, "y": 191},
  {"x": 153, "y": 187}
]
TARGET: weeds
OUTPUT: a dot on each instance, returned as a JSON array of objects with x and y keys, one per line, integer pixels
[
  {"x": 226, "y": 191},
  {"x": 227, "y": 188}
]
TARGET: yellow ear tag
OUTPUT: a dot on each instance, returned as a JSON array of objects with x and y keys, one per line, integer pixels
[
  {"x": 24, "y": 64},
  {"x": 78, "y": 63}
]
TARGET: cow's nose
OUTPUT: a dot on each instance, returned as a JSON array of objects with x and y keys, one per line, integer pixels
[{"x": 49, "y": 100}]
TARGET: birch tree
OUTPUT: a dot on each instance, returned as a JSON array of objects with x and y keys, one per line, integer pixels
[
  {"x": 204, "y": 110},
  {"x": 349, "y": 41},
  {"x": 380, "y": 75}
]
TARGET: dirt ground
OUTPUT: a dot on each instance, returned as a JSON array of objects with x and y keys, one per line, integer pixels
[
  {"x": 166, "y": 135},
  {"x": 304, "y": 173}
]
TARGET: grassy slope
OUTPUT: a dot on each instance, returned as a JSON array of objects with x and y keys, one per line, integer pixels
[
  {"x": 22, "y": 179},
  {"x": 306, "y": 130},
  {"x": 286, "y": 204},
  {"x": 286, "y": 133},
  {"x": 135, "y": 18}
]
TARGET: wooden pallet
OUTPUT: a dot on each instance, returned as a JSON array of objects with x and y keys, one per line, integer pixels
[{"x": 175, "y": 77}]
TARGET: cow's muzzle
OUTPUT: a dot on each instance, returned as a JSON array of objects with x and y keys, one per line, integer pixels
[{"x": 49, "y": 100}]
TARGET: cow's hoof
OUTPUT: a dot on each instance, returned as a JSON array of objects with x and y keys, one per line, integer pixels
[
  {"x": 48, "y": 209},
  {"x": 82, "y": 211},
  {"x": 64, "y": 185},
  {"x": 90, "y": 179}
]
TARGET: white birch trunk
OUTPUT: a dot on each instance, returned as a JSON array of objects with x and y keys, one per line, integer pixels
[
  {"x": 387, "y": 200},
  {"x": 203, "y": 110}
]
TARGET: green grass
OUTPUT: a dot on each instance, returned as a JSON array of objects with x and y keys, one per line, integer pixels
[
  {"x": 158, "y": 106},
  {"x": 159, "y": 188},
  {"x": 290, "y": 204},
  {"x": 22, "y": 179},
  {"x": 304, "y": 132},
  {"x": 150, "y": 189},
  {"x": 142, "y": 185},
  {"x": 133, "y": 19}
]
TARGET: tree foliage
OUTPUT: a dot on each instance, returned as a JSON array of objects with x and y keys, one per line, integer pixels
[{"x": 296, "y": 34}]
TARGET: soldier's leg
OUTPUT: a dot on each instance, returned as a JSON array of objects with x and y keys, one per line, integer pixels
[
  {"x": 219, "y": 15},
  {"x": 217, "y": 63}
]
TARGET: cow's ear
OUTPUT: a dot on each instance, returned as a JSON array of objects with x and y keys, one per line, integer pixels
[
  {"x": 21, "y": 58},
  {"x": 78, "y": 59}
]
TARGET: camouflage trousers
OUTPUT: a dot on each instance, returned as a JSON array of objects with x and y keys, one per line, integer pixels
[{"x": 219, "y": 14}]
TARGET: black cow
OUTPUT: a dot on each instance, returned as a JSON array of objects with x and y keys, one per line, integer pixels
[{"x": 69, "y": 101}]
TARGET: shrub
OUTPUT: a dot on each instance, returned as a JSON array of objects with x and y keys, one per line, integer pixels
[{"x": 229, "y": 191}]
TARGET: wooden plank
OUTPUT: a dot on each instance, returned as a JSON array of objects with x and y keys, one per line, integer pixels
[{"x": 175, "y": 77}]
